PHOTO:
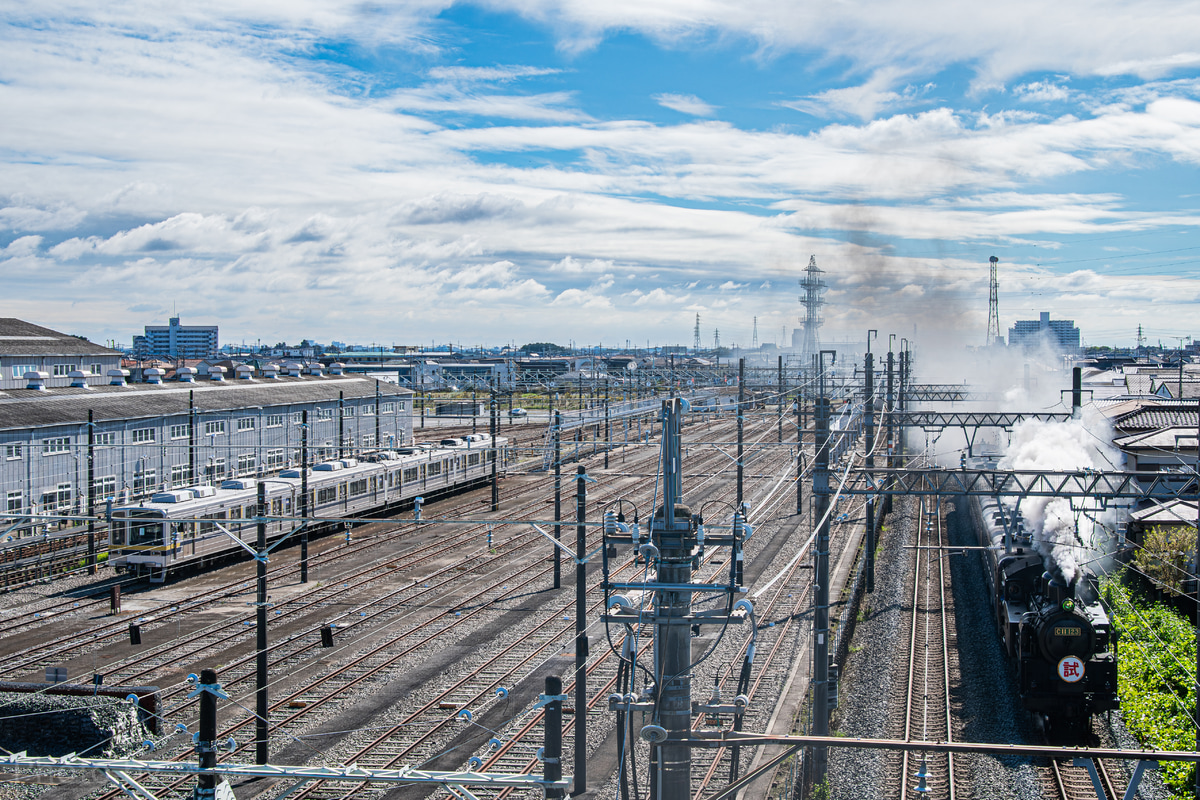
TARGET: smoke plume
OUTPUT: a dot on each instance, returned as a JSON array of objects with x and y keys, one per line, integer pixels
[{"x": 1065, "y": 538}]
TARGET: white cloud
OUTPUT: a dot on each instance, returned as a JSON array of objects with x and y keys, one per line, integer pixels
[
  {"x": 1041, "y": 92},
  {"x": 685, "y": 104}
]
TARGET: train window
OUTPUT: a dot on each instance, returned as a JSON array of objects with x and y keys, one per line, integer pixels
[
  {"x": 342, "y": 491},
  {"x": 187, "y": 530},
  {"x": 434, "y": 468},
  {"x": 235, "y": 512},
  {"x": 410, "y": 474},
  {"x": 358, "y": 487},
  {"x": 473, "y": 459},
  {"x": 328, "y": 495},
  {"x": 145, "y": 532},
  {"x": 277, "y": 507}
]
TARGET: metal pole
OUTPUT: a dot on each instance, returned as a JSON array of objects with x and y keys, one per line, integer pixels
[
  {"x": 341, "y": 424},
  {"x": 91, "y": 494},
  {"x": 607, "y": 426},
  {"x": 495, "y": 455},
  {"x": 378, "y": 440},
  {"x": 262, "y": 709},
  {"x": 673, "y": 649},
  {"x": 304, "y": 496},
  {"x": 821, "y": 611},
  {"x": 1077, "y": 392},
  {"x": 780, "y": 397},
  {"x": 552, "y": 724},
  {"x": 581, "y": 640},
  {"x": 888, "y": 408},
  {"x": 557, "y": 498},
  {"x": 869, "y": 416},
  {"x": 741, "y": 416},
  {"x": 206, "y": 784},
  {"x": 1196, "y": 578},
  {"x": 192, "y": 435},
  {"x": 799, "y": 454}
]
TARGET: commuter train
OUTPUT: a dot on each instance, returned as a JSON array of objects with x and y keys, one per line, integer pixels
[
  {"x": 197, "y": 525},
  {"x": 1055, "y": 632}
]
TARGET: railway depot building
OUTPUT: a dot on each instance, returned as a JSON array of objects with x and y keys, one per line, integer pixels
[{"x": 149, "y": 437}]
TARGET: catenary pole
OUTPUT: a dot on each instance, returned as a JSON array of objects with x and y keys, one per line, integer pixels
[{"x": 262, "y": 709}]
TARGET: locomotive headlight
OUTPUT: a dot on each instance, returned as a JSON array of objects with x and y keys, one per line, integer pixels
[{"x": 1068, "y": 605}]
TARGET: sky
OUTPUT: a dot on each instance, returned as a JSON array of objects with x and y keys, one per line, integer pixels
[{"x": 596, "y": 173}]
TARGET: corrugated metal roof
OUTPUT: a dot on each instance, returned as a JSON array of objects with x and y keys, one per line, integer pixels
[
  {"x": 26, "y": 408},
  {"x": 21, "y": 338}
]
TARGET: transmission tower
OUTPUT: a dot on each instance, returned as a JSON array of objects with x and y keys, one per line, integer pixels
[
  {"x": 716, "y": 338},
  {"x": 696, "y": 336},
  {"x": 993, "y": 329},
  {"x": 754, "y": 338},
  {"x": 1141, "y": 338},
  {"x": 813, "y": 288}
]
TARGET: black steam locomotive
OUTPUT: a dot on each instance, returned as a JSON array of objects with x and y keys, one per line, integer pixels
[{"x": 1055, "y": 632}]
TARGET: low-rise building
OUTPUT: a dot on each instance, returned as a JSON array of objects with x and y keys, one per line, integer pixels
[
  {"x": 25, "y": 347},
  {"x": 152, "y": 436}
]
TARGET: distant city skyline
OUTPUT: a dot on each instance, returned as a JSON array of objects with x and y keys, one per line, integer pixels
[{"x": 553, "y": 170}]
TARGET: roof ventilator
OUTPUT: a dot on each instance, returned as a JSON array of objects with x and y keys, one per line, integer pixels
[
  {"x": 154, "y": 375},
  {"x": 293, "y": 369},
  {"x": 116, "y": 377},
  {"x": 216, "y": 373},
  {"x": 315, "y": 369},
  {"x": 186, "y": 374},
  {"x": 270, "y": 371},
  {"x": 337, "y": 368},
  {"x": 243, "y": 372},
  {"x": 36, "y": 380},
  {"x": 79, "y": 379}
]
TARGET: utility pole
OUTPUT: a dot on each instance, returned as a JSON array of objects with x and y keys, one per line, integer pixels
[
  {"x": 741, "y": 416},
  {"x": 581, "y": 640},
  {"x": 91, "y": 494},
  {"x": 888, "y": 408},
  {"x": 780, "y": 393},
  {"x": 607, "y": 426},
  {"x": 821, "y": 580},
  {"x": 869, "y": 419},
  {"x": 557, "y": 498},
  {"x": 262, "y": 709},
  {"x": 495, "y": 453},
  {"x": 206, "y": 743},
  {"x": 341, "y": 424},
  {"x": 669, "y": 532},
  {"x": 304, "y": 496}
]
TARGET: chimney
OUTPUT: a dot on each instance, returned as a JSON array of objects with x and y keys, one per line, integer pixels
[
  {"x": 216, "y": 373},
  {"x": 79, "y": 379},
  {"x": 337, "y": 368},
  {"x": 243, "y": 372},
  {"x": 154, "y": 375},
  {"x": 186, "y": 374},
  {"x": 116, "y": 377},
  {"x": 36, "y": 380},
  {"x": 270, "y": 371}
]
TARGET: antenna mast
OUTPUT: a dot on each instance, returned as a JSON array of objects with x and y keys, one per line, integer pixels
[{"x": 993, "y": 329}]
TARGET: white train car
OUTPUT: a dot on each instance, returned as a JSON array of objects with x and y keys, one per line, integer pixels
[{"x": 199, "y": 524}]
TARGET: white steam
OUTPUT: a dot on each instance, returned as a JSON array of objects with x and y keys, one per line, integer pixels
[{"x": 1064, "y": 536}]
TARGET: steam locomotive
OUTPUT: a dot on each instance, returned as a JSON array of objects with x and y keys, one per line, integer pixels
[{"x": 1054, "y": 630}]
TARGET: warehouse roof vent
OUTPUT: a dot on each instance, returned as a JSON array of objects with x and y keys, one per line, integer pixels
[
  {"x": 79, "y": 378},
  {"x": 154, "y": 375},
  {"x": 216, "y": 373},
  {"x": 116, "y": 377},
  {"x": 186, "y": 374},
  {"x": 243, "y": 372},
  {"x": 36, "y": 380}
]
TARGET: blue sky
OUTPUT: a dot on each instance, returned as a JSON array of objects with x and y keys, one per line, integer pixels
[{"x": 523, "y": 170}]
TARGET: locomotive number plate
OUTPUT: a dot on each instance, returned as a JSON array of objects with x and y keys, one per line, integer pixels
[{"x": 1067, "y": 630}]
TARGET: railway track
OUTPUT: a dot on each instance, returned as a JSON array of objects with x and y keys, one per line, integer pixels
[
  {"x": 932, "y": 668},
  {"x": 1067, "y": 781},
  {"x": 294, "y": 698}
]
